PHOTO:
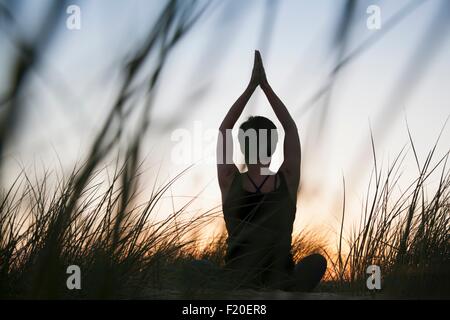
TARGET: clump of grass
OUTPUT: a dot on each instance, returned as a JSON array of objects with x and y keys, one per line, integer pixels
[
  {"x": 404, "y": 231},
  {"x": 307, "y": 242},
  {"x": 124, "y": 251},
  {"x": 120, "y": 247},
  {"x": 114, "y": 241}
]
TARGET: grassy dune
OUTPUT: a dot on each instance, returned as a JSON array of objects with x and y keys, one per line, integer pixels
[{"x": 124, "y": 251}]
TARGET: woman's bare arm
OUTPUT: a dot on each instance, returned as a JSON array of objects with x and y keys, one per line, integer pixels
[
  {"x": 225, "y": 165},
  {"x": 292, "y": 150}
]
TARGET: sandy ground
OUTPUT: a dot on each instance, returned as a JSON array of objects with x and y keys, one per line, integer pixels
[{"x": 257, "y": 295}]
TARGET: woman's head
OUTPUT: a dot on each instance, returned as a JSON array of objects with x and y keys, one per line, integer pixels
[{"x": 258, "y": 138}]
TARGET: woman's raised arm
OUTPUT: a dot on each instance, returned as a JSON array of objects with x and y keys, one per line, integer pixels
[
  {"x": 291, "y": 149},
  {"x": 225, "y": 165}
]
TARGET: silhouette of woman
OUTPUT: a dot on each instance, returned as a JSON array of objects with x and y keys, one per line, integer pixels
[{"x": 259, "y": 205}]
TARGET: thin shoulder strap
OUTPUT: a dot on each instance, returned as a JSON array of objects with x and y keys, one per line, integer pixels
[
  {"x": 262, "y": 183},
  {"x": 251, "y": 180},
  {"x": 258, "y": 188}
]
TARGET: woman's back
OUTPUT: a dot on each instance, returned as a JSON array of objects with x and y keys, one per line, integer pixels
[
  {"x": 259, "y": 223},
  {"x": 259, "y": 229}
]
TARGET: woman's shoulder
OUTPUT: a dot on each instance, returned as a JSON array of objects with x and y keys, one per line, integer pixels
[{"x": 235, "y": 183}]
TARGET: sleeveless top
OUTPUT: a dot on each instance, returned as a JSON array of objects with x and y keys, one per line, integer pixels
[{"x": 259, "y": 227}]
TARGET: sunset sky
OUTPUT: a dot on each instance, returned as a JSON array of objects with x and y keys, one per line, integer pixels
[{"x": 73, "y": 88}]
